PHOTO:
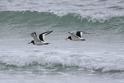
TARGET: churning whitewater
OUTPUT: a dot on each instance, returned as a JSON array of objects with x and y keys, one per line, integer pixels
[{"x": 100, "y": 55}]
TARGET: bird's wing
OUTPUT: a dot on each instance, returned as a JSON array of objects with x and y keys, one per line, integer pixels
[
  {"x": 79, "y": 34},
  {"x": 47, "y": 32},
  {"x": 74, "y": 36},
  {"x": 42, "y": 35}
]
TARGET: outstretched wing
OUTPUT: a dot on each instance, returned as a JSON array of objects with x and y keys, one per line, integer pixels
[
  {"x": 42, "y": 35},
  {"x": 79, "y": 34},
  {"x": 73, "y": 36}
]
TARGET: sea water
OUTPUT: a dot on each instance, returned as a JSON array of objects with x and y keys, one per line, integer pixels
[{"x": 99, "y": 59}]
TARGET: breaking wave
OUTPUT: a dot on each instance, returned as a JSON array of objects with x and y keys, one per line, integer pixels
[{"x": 30, "y": 20}]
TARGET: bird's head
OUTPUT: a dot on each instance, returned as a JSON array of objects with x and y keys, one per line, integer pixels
[{"x": 33, "y": 34}]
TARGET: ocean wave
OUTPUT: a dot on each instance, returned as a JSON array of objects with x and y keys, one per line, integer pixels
[
  {"x": 28, "y": 20},
  {"x": 57, "y": 67},
  {"x": 96, "y": 9},
  {"x": 39, "y": 17},
  {"x": 59, "y": 60},
  {"x": 36, "y": 17}
]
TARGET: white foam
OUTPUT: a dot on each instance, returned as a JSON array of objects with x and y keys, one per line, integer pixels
[
  {"x": 95, "y": 9},
  {"x": 86, "y": 55}
]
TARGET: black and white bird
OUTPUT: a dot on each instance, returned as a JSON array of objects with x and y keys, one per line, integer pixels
[
  {"x": 39, "y": 40},
  {"x": 76, "y": 36}
]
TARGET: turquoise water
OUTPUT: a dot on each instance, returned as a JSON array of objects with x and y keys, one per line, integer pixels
[
  {"x": 99, "y": 58},
  {"x": 25, "y": 22}
]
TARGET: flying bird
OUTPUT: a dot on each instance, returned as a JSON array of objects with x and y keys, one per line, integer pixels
[
  {"x": 76, "y": 36},
  {"x": 39, "y": 40}
]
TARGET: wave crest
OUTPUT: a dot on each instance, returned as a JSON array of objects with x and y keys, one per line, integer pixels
[{"x": 61, "y": 60}]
